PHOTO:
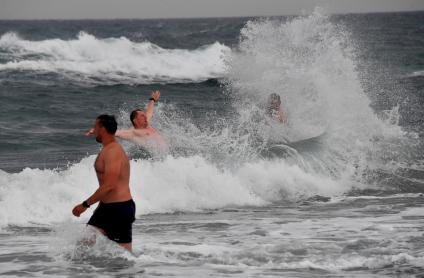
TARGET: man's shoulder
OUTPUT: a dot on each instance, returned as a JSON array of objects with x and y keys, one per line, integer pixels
[{"x": 114, "y": 149}]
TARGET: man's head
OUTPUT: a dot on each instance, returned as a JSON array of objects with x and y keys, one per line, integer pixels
[
  {"x": 139, "y": 118},
  {"x": 106, "y": 125},
  {"x": 274, "y": 101}
]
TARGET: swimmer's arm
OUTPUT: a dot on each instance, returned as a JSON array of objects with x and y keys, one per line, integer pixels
[
  {"x": 110, "y": 177},
  {"x": 127, "y": 134},
  {"x": 151, "y": 104},
  {"x": 130, "y": 134}
]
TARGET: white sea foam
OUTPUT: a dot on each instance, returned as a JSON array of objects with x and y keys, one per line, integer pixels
[
  {"x": 349, "y": 262},
  {"x": 175, "y": 184},
  {"x": 367, "y": 197},
  {"x": 113, "y": 60},
  {"x": 416, "y": 73}
]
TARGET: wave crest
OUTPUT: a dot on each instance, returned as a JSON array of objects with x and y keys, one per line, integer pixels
[
  {"x": 88, "y": 59},
  {"x": 36, "y": 196}
]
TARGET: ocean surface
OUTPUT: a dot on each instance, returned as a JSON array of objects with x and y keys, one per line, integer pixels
[{"x": 336, "y": 192}]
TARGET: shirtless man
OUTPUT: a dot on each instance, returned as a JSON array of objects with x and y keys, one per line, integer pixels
[
  {"x": 143, "y": 134},
  {"x": 116, "y": 211}
]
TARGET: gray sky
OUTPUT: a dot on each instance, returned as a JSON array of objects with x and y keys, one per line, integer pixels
[{"x": 94, "y": 9}]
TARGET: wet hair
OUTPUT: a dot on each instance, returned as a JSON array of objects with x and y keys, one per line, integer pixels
[
  {"x": 274, "y": 96},
  {"x": 133, "y": 114},
  {"x": 108, "y": 122}
]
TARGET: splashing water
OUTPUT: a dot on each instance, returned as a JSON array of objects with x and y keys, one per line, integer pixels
[{"x": 309, "y": 61}]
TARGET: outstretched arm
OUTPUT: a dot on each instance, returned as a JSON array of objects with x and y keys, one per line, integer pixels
[
  {"x": 126, "y": 134},
  {"x": 153, "y": 98}
]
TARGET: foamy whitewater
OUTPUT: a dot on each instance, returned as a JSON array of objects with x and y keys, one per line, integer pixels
[
  {"x": 337, "y": 191},
  {"x": 113, "y": 60}
]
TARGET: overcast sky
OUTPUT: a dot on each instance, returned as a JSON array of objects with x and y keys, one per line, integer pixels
[{"x": 94, "y": 9}]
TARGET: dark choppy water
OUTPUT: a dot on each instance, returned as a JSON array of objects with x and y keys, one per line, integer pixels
[{"x": 225, "y": 201}]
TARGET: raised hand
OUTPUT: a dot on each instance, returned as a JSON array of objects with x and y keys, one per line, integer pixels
[{"x": 155, "y": 95}]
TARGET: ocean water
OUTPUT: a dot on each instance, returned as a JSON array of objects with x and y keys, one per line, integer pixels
[{"x": 337, "y": 192}]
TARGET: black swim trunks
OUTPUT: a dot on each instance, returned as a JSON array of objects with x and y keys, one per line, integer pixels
[{"x": 115, "y": 219}]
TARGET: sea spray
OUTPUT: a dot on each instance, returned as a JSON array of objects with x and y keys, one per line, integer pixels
[{"x": 310, "y": 62}]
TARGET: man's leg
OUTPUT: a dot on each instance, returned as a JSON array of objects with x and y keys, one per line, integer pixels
[
  {"x": 99, "y": 229},
  {"x": 92, "y": 240},
  {"x": 127, "y": 246}
]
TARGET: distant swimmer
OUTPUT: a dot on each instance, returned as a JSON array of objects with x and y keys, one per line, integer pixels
[
  {"x": 143, "y": 134},
  {"x": 115, "y": 213},
  {"x": 274, "y": 109}
]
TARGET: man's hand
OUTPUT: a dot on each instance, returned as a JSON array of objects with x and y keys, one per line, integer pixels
[
  {"x": 78, "y": 209},
  {"x": 90, "y": 132},
  {"x": 155, "y": 95}
]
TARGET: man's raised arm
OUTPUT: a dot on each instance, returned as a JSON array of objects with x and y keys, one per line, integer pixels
[{"x": 149, "y": 110}]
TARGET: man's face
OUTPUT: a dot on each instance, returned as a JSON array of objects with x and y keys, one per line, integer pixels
[
  {"x": 141, "y": 119},
  {"x": 98, "y": 129},
  {"x": 275, "y": 103}
]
